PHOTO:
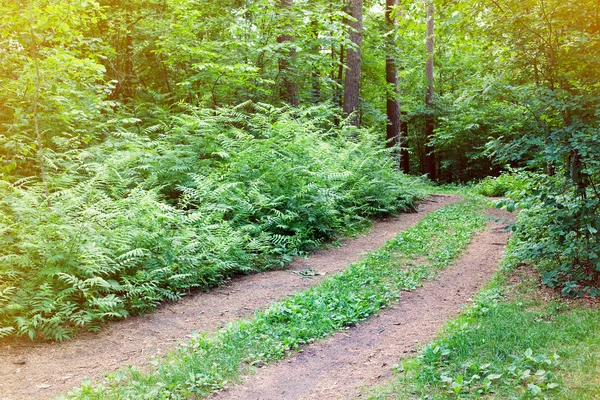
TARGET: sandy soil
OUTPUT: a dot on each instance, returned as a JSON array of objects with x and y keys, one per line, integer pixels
[
  {"x": 342, "y": 365},
  {"x": 41, "y": 370}
]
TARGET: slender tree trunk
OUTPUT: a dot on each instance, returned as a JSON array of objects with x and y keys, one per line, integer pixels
[
  {"x": 334, "y": 65},
  {"x": 289, "y": 88},
  {"x": 339, "y": 98},
  {"x": 404, "y": 155},
  {"x": 352, "y": 83},
  {"x": 391, "y": 78},
  {"x": 430, "y": 164},
  {"x": 36, "y": 96},
  {"x": 316, "y": 74}
]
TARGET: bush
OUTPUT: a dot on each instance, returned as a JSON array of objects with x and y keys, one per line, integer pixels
[
  {"x": 514, "y": 183},
  {"x": 143, "y": 218},
  {"x": 557, "y": 232}
]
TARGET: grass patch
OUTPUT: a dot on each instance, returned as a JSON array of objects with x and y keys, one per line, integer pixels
[
  {"x": 210, "y": 362},
  {"x": 514, "y": 342}
]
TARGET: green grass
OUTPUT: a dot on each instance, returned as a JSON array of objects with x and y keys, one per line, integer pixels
[
  {"x": 514, "y": 342},
  {"x": 211, "y": 361}
]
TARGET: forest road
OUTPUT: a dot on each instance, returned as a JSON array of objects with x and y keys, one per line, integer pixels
[
  {"x": 341, "y": 366},
  {"x": 42, "y": 370}
]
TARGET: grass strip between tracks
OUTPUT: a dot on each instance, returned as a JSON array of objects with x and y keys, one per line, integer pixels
[{"x": 209, "y": 362}]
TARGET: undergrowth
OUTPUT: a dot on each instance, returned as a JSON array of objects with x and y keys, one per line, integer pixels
[
  {"x": 146, "y": 216},
  {"x": 210, "y": 362},
  {"x": 556, "y": 230},
  {"x": 513, "y": 342},
  {"x": 513, "y": 182}
]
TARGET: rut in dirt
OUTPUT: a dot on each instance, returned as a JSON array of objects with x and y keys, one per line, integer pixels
[
  {"x": 33, "y": 371},
  {"x": 346, "y": 363}
]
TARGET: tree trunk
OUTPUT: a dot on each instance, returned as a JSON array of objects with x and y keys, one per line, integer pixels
[
  {"x": 404, "y": 156},
  {"x": 289, "y": 89},
  {"x": 430, "y": 165},
  {"x": 339, "y": 98},
  {"x": 352, "y": 82},
  {"x": 391, "y": 78},
  {"x": 316, "y": 74}
]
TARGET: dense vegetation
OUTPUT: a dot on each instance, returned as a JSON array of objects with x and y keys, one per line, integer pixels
[
  {"x": 140, "y": 219},
  {"x": 149, "y": 147},
  {"x": 208, "y": 362}
]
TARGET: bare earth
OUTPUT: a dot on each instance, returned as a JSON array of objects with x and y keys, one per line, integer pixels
[
  {"x": 41, "y": 370},
  {"x": 342, "y": 365}
]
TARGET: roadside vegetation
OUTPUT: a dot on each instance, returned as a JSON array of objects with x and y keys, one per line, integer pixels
[
  {"x": 144, "y": 218},
  {"x": 518, "y": 340},
  {"x": 210, "y": 361}
]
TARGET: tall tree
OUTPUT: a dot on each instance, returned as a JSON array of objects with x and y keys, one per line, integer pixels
[
  {"x": 289, "y": 87},
  {"x": 352, "y": 82},
  {"x": 393, "y": 138},
  {"x": 430, "y": 164}
]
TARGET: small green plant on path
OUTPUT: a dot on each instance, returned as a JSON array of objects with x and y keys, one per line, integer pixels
[
  {"x": 511, "y": 343},
  {"x": 210, "y": 361}
]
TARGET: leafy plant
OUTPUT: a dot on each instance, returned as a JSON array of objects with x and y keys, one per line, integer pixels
[
  {"x": 515, "y": 184},
  {"x": 135, "y": 222}
]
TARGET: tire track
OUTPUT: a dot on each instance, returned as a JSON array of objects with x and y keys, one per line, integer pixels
[
  {"x": 340, "y": 366},
  {"x": 41, "y": 370}
]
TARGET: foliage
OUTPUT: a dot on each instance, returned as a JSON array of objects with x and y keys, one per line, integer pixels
[
  {"x": 209, "y": 362},
  {"x": 557, "y": 231},
  {"x": 136, "y": 221},
  {"x": 49, "y": 39},
  {"x": 553, "y": 91},
  {"x": 159, "y": 183},
  {"x": 514, "y": 184}
]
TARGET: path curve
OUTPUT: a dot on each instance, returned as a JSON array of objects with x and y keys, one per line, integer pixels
[
  {"x": 341, "y": 366},
  {"x": 41, "y": 370}
]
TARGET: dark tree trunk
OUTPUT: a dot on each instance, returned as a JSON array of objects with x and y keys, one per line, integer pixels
[
  {"x": 335, "y": 67},
  {"x": 338, "y": 97},
  {"x": 391, "y": 78},
  {"x": 289, "y": 88},
  {"x": 352, "y": 82},
  {"x": 430, "y": 164}
]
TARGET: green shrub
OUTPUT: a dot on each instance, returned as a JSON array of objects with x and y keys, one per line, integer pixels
[
  {"x": 143, "y": 218},
  {"x": 557, "y": 232},
  {"x": 514, "y": 183}
]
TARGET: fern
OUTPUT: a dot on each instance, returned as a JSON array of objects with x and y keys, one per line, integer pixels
[{"x": 136, "y": 222}]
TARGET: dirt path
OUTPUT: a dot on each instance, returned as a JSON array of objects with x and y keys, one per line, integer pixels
[
  {"x": 45, "y": 369},
  {"x": 339, "y": 367}
]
